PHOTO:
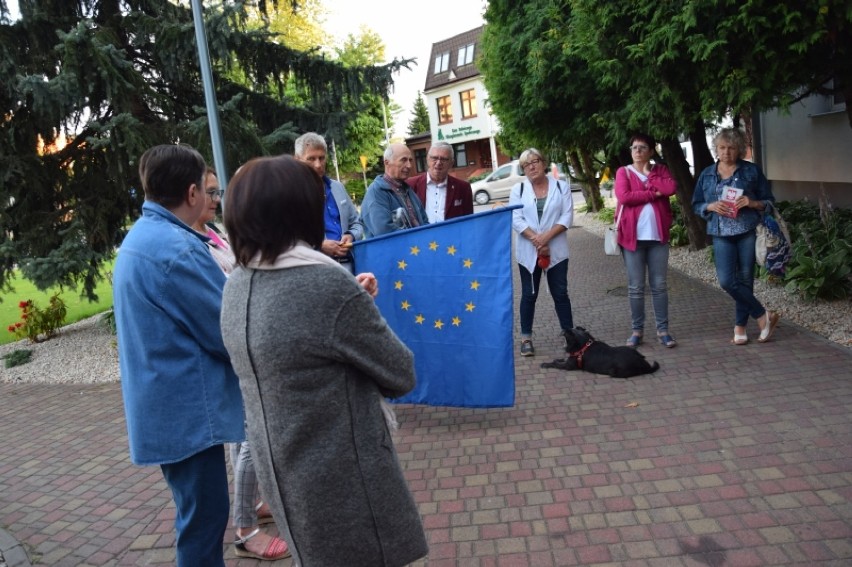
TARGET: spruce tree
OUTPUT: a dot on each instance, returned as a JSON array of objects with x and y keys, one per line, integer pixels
[
  {"x": 419, "y": 122},
  {"x": 86, "y": 86}
]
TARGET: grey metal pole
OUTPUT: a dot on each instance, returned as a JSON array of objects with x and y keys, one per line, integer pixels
[
  {"x": 334, "y": 159},
  {"x": 210, "y": 96}
]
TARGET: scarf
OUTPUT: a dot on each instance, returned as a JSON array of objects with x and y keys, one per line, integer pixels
[{"x": 299, "y": 255}]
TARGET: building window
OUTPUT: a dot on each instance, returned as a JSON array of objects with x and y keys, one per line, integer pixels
[
  {"x": 460, "y": 155},
  {"x": 442, "y": 62},
  {"x": 468, "y": 103},
  {"x": 465, "y": 55},
  {"x": 445, "y": 110},
  {"x": 420, "y": 160}
]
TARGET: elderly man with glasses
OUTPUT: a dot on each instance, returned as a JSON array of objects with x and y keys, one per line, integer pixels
[{"x": 443, "y": 196}]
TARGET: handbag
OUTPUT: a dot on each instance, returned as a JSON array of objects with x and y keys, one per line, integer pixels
[
  {"x": 772, "y": 245},
  {"x": 611, "y": 247}
]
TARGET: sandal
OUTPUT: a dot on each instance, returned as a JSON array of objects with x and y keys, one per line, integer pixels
[
  {"x": 739, "y": 340},
  {"x": 772, "y": 319},
  {"x": 667, "y": 340},
  {"x": 634, "y": 341},
  {"x": 277, "y": 548}
]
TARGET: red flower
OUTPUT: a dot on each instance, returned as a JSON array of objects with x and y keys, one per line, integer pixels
[
  {"x": 11, "y": 328},
  {"x": 23, "y": 304},
  {"x": 18, "y": 325},
  {"x": 24, "y": 316}
]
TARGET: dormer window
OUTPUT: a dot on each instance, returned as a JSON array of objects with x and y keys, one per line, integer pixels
[
  {"x": 466, "y": 55},
  {"x": 442, "y": 62}
]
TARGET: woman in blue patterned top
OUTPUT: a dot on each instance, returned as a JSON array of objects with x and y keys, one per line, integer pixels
[{"x": 730, "y": 195}]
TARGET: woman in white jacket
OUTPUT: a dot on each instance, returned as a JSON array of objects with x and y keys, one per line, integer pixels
[{"x": 541, "y": 244}]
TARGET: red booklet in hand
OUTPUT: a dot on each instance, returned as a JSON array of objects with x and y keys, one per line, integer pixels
[{"x": 730, "y": 196}]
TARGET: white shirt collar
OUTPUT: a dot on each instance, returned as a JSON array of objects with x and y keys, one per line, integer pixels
[{"x": 429, "y": 181}]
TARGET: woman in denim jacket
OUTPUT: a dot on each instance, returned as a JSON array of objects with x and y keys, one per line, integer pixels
[{"x": 731, "y": 222}]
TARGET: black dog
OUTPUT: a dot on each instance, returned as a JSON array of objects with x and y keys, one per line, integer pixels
[{"x": 585, "y": 353}]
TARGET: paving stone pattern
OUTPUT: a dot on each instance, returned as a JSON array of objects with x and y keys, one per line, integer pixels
[{"x": 727, "y": 456}]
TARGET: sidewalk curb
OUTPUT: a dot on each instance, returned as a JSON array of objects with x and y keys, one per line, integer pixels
[{"x": 12, "y": 552}]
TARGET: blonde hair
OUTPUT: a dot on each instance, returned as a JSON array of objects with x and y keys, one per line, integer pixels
[
  {"x": 526, "y": 156},
  {"x": 733, "y": 136}
]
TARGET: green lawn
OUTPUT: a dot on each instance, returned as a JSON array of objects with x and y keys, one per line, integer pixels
[{"x": 78, "y": 308}]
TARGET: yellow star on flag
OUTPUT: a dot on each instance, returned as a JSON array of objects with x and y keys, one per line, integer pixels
[
  {"x": 456, "y": 321},
  {"x": 397, "y": 284},
  {"x": 405, "y": 305},
  {"x": 451, "y": 250},
  {"x": 469, "y": 306},
  {"x": 468, "y": 263},
  {"x": 401, "y": 264},
  {"x": 474, "y": 285},
  {"x": 419, "y": 319},
  {"x": 439, "y": 324},
  {"x": 433, "y": 246},
  {"x": 415, "y": 250}
]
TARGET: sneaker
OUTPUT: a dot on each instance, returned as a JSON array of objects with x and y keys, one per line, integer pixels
[{"x": 527, "y": 348}]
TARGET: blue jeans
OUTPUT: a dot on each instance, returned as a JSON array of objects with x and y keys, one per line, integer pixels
[
  {"x": 557, "y": 281},
  {"x": 735, "y": 257},
  {"x": 653, "y": 256},
  {"x": 199, "y": 486}
]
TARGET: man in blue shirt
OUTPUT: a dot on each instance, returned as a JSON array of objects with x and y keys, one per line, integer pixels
[
  {"x": 342, "y": 221},
  {"x": 182, "y": 400}
]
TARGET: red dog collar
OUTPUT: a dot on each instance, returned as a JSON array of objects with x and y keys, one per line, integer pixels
[{"x": 579, "y": 354}]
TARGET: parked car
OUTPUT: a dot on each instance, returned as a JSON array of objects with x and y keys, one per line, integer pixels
[{"x": 498, "y": 184}]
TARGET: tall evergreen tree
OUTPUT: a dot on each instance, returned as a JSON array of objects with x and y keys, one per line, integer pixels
[
  {"x": 419, "y": 122},
  {"x": 365, "y": 134},
  {"x": 86, "y": 86}
]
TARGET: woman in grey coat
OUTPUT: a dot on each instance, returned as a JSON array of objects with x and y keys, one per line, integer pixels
[{"x": 314, "y": 357}]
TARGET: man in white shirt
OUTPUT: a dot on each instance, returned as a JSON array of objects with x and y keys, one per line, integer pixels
[{"x": 443, "y": 196}]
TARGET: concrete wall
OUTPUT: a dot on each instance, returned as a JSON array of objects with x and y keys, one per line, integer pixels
[{"x": 808, "y": 152}]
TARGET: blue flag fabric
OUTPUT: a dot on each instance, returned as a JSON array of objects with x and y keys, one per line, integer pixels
[{"x": 446, "y": 290}]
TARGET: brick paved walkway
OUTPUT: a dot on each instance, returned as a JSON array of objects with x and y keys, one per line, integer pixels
[{"x": 734, "y": 456}]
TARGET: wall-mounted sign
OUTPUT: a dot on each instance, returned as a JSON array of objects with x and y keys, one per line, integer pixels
[{"x": 460, "y": 132}]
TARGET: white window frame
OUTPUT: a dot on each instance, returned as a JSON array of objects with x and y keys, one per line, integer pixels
[
  {"x": 442, "y": 62},
  {"x": 466, "y": 55}
]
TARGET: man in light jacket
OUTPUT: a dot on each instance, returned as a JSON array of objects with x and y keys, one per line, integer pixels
[{"x": 342, "y": 222}]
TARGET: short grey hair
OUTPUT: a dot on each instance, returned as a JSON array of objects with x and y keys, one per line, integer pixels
[
  {"x": 307, "y": 141},
  {"x": 443, "y": 146},
  {"x": 733, "y": 136},
  {"x": 528, "y": 154},
  {"x": 388, "y": 155}
]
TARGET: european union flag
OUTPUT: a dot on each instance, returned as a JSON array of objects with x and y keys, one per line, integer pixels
[{"x": 446, "y": 290}]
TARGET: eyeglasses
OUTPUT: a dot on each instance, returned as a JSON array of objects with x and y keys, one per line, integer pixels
[
  {"x": 639, "y": 148},
  {"x": 435, "y": 159},
  {"x": 532, "y": 162},
  {"x": 215, "y": 193}
]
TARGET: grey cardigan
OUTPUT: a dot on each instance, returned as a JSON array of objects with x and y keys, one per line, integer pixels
[{"x": 312, "y": 353}]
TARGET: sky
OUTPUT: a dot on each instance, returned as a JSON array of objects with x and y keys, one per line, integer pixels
[{"x": 408, "y": 30}]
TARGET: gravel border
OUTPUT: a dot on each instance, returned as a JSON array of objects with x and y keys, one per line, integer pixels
[{"x": 86, "y": 353}]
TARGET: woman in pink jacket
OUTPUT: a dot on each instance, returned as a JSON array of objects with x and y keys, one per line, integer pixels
[{"x": 644, "y": 218}]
